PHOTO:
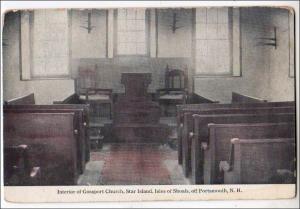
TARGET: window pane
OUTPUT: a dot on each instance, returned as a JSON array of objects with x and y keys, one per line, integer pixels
[
  {"x": 50, "y": 47},
  {"x": 212, "y": 41},
  {"x": 131, "y": 31}
]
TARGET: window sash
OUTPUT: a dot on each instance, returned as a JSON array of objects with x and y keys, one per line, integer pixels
[
  {"x": 131, "y": 32},
  {"x": 50, "y": 50}
]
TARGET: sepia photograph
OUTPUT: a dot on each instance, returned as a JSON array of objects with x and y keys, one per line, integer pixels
[{"x": 149, "y": 101}]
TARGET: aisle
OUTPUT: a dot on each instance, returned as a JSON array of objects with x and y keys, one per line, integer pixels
[{"x": 133, "y": 164}]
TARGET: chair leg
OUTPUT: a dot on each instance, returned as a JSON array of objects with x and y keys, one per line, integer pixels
[{"x": 111, "y": 110}]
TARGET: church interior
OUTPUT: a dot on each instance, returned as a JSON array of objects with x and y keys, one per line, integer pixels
[{"x": 149, "y": 96}]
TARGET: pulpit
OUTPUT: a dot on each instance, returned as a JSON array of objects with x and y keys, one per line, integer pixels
[{"x": 136, "y": 116}]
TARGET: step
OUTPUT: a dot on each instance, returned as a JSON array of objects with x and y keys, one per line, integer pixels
[{"x": 94, "y": 138}]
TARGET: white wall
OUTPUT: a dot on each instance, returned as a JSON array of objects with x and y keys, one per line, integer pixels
[
  {"x": 179, "y": 43},
  {"x": 45, "y": 91},
  {"x": 281, "y": 85},
  {"x": 84, "y": 44}
]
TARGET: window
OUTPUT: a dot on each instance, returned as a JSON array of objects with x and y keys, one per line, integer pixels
[
  {"x": 213, "y": 41},
  {"x": 131, "y": 32},
  {"x": 50, "y": 44}
]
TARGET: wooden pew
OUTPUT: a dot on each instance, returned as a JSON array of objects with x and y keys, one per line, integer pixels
[
  {"x": 52, "y": 143},
  {"x": 18, "y": 170},
  {"x": 260, "y": 161},
  {"x": 181, "y": 109},
  {"x": 193, "y": 99},
  {"x": 73, "y": 100},
  {"x": 188, "y": 126},
  {"x": 218, "y": 145},
  {"x": 81, "y": 124},
  {"x": 200, "y": 137},
  {"x": 27, "y": 99},
  {"x": 240, "y": 98}
]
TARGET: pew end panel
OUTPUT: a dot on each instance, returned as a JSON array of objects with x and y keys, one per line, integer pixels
[
  {"x": 219, "y": 142},
  {"x": 187, "y": 137},
  {"x": 259, "y": 161},
  {"x": 80, "y": 124},
  {"x": 52, "y": 148}
]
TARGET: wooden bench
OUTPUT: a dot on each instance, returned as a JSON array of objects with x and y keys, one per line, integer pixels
[
  {"x": 27, "y": 99},
  {"x": 52, "y": 142},
  {"x": 240, "y": 98},
  {"x": 260, "y": 161},
  {"x": 201, "y": 133},
  {"x": 188, "y": 126},
  {"x": 181, "y": 109},
  {"x": 96, "y": 130},
  {"x": 80, "y": 125},
  {"x": 18, "y": 170},
  {"x": 218, "y": 145}
]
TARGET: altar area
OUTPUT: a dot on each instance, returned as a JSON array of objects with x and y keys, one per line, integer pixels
[{"x": 136, "y": 116}]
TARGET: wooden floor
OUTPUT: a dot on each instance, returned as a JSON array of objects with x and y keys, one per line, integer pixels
[{"x": 133, "y": 164}]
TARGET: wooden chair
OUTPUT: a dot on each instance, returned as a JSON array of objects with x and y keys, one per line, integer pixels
[
  {"x": 90, "y": 94},
  {"x": 175, "y": 91},
  {"x": 97, "y": 96}
]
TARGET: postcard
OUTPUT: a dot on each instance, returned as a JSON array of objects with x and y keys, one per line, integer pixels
[{"x": 173, "y": 102}]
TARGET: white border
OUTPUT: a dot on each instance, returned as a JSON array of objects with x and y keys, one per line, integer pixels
[{"x": 7, "y": 5}]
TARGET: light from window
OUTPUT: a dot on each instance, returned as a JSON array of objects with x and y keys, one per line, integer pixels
[
  {"x": 50, "y": 43},
  {"x": 212, "y": 41},
  {"x": 131, "y": 32}
]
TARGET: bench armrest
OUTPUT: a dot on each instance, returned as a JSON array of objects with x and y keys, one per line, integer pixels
[
  {"x": 204, "y": 146},
  {"x": 224, "y": 166},
  {"x": 35, "y": 172}
]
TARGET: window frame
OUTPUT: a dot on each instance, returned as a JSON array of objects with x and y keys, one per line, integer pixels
[
  {"x": 234, "y": 46},
  {"x": 27, "y": 51}
]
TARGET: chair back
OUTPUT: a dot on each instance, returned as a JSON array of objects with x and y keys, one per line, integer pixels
[
  {"x": 175, "y": 79},
  {"x": 86, "y": 79}
]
